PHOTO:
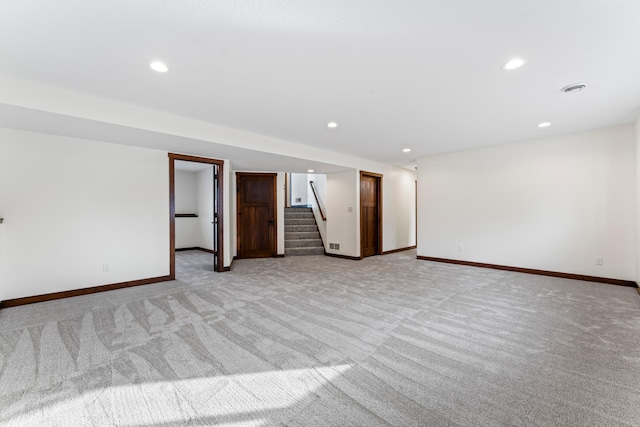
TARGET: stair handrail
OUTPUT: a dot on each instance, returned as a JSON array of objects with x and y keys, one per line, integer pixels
[{"x": 315, "y": 194}]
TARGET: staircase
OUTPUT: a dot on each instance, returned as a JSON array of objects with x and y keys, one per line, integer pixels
[{"x": 301, "y": 236}]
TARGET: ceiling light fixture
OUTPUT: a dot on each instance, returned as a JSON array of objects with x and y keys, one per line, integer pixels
[
  {"x": 159, "y": 67},
  {"x": 310, "y": 171},
  {"x": 574, "y": 88},
  {"x": 544, "y": 124},
  {"x": 513, "y": 64},
  {"x": 406, "y": 150},
  {"x": 332, "y": 125}
]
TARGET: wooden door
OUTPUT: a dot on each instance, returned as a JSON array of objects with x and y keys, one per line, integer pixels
[
  {"x": 256, "y": 215},
  {"x": 370, "y": 214}
]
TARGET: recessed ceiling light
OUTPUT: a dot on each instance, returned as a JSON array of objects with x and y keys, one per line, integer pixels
[
  {"x": 544, "y": 124},
  {"x": 513, "y": 64},
  {"x": 406, "y": 150},
  {"x": 159, "y": 67},
  {"x": 310, "y": 171},
  {"x": 332, "y": 125}
]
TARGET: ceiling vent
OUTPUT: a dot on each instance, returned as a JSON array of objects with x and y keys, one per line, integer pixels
[{"x": 574, "y": 88}]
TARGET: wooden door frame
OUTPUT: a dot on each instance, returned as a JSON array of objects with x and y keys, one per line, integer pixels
[
  {"x": 172, "y": 209},
  {"x": 275, "y": 209},
  {"x": 378, "y": 177}
]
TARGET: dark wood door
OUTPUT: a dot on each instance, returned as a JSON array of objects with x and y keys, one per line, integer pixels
[
  {"x": 370, "y": 215},
  {"x": 256, "y": 215}
]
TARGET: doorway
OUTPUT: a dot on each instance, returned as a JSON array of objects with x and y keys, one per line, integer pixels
[
  {"x": 370, "y": 214},
  {"x": 214, "y": 215},
  {"x": 257, "y": 225}
]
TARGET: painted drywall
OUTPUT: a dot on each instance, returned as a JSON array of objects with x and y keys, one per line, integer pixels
[
  {"x": 280, "y": 202},
  {"x": 205, "y": 208},
  {"x": 320, "y": 182},
  {"x": 2, "y": 286},
  {"x": 299, "y": 186},
  {"x": 228, "y": 210},
  {"x": 196, "y": 137},
  {"x": 343, "y": 221},
  {"x": 186, "y": 202},
  {"x": 550, "y": 204},
  {"x": 71, "y": 206},
  {"x": 399, "y": 209},
  {"x": 637, "y": 182},
  {"x": 232, "y": 219}
]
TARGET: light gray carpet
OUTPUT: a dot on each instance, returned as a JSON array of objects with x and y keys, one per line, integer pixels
[{"x": 319, "y": 341}]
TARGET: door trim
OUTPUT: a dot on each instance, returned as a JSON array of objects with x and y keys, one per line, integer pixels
[
  {"x": 172, "y": 209},
  {"x": 275, "y": 210},
  {"x": 378, "y": 177}
]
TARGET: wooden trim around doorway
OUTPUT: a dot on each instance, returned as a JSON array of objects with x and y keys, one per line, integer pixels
[
  {"x": 172, "y": 208},
  {"x": 379, "y": 203},
  {"x": 275, "y": 211}
]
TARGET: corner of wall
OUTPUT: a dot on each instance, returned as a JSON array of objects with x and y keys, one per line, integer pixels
[{"x": 637, "y": 192}]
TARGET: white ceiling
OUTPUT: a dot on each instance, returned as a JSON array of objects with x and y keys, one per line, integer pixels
[{"x": 393, "y": 74}]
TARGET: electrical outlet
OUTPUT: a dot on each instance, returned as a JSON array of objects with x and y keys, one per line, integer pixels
[
  {"x": 460, "y": 248},
  {"x": 332, "y": 245},
  {"x": 105, "y": 268},
  {"x": 349, "y": 209},
  {"x": 599, "y": 261},
  {"x": 337, "y": 246}
]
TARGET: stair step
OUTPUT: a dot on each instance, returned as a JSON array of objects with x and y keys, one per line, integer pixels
[
  {"x": 297, "y": 228},
  {"x": 303, "y": 251},
  {"x": 305, "y": 209},
  {"x": 299, "y": 221},
  {"x": 299, "y": 215},
  {"x": 300, "y": 235},
  {"x": 303, "y": 243}
]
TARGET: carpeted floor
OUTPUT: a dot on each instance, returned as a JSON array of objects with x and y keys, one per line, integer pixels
[{"x": 319, "y": 341}]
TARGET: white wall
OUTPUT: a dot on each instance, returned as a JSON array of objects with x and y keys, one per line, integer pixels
[
  {"x": 550, "y": 204},
  {"x": 399, "y": 209},
  {"x": 320, "y": 182},
  {"x": 299, "y": 186},
  {"x": 72, "y": 205},
  {"x": 343, "y": 220},
  {"x": 228, "y": 208},
  {"x": 186, "y": 201},
  {"x": 232, "y": 219},
  {"x": 204, "y": 186},
  {"x": 280, "y": 202},
  {"x": 637, "y": 182}
]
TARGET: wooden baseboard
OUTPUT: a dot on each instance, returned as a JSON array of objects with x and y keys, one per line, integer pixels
[
  {"x": 393, "y": 251},
  {"x": 84, "y": 291},
  {"x": 354, "y": 258},
  {"x": 618, "y": 282}
]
